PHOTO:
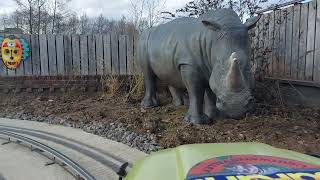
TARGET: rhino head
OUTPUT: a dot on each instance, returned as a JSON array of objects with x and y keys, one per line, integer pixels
[{"x": 231, "y": 77}]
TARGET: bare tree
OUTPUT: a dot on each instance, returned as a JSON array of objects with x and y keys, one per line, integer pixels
[
  {"x": 40, "y": 4},
  {"x": 146, "y": 13},
  {"x": 42, "y": 15},
  {"x": 84, "y": 24},
  {"x": 244, "y": 8},
  {"x": 17, "y": 19},
  {"x": 53, "y": 16},
  {"x": 26, "y": 6},
  {"x": 58, "y": 11},
  {"x": 99, "y": 24},
  {"x": 4, "y": 19},
  {"x": 73, "y": 24}
]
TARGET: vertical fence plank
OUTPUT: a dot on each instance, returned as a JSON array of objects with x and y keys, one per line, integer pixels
[
  {"x": 303, "y": 41},
  {"x": 67, "y": 46},
  {"x": 316, "y": 68},
  {"x": 310, "y": 40},
  {"x": 107, "y": 54},
  {"x": 92, "y": 55},
  {"x": 11, "y": 72},
  {"x": 257, "y": 47},
  {"x": 3, "y": 69},
  {"x": 271, "y": 43},
  {"x": 122, "y": 54},
  {"x": 276, "y": 50},
  {"x": 76, "y": 60},
  {"x": 84, "y": 54},
  {"x": 130, "y": 63},
  {"x": 60, "y": 55},
  {"x": 288, "y": 47},
  {"x": 282, "y": 42},
  {"x": 44, "y": 55},
  {"x": 295, "y": 41},
  {"x": 115, "y": 53},
  {"x": 20, "y": 69},
  {"x": 28, "y": 63},
  {"x": 266, "y": 44},
  {"x": 35, "y": 51},
  {"x": 99, "y": 53},
  {"x": 52, "y": 55},
  {"x": 265, "y": 35}
]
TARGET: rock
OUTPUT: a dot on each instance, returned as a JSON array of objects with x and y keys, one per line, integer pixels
[
  {"x": 143, "y": 110},
  {"x": 241, "y": 136},
  {"x": 301, "y": 142}
]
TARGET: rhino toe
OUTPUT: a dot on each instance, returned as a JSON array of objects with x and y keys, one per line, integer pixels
[
  {"x": 149, "y": 102},
  {"x": 178, "y": 102},
  {"x": 198, "y": 119},
  {"x": 213, "y": 114}
]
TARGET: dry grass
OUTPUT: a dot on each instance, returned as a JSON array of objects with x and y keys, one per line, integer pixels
[
  {"x": 136, "y": 87},
  {"x": 113, "y": 84},
  {"x": 132, "y": 86}
]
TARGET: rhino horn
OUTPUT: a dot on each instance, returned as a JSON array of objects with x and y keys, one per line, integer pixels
[{"x": 234, "y": 80}]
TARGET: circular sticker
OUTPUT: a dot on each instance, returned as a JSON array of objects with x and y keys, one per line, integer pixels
[{"x": 251, "y": 167}]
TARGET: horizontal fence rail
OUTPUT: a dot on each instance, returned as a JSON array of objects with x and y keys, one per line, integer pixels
[
  {"x": 75, "y": 55},
  {"x": 286, "y": 43}
]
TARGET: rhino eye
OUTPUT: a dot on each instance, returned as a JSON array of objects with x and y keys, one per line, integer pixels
[
  {"x": 7, "y": 51},
  {"x": 15, "y": 51}
]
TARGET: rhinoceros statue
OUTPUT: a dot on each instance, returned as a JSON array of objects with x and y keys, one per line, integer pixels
[{"x": 208, "y": 56}]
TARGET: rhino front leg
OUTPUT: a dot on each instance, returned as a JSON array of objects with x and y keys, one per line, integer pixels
[
  {"x": 150, "y": 99},
  {"x": 210, "y": 104},
  {"x": 177, "y": 96},
  {"x": 195, "y": 85}
]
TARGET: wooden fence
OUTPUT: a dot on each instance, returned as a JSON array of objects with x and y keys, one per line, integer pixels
[
  {"x": 75, "y": 55},
  {"x": 287, "y": 43}
]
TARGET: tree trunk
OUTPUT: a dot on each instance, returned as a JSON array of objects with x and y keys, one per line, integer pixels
[
  {"x": 54, "y": 16},
  {"x": 30, "y": 16},
  {"x": 17, "y": 22},
  {"x": 39, "y": 16}
]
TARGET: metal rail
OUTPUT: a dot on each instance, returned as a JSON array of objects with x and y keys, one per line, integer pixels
[
  {"x": 75, "y": 167},
  {"x": 116, "y": 164}
]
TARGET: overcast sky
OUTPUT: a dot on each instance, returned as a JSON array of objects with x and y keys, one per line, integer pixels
[{"x": 111, "y": 8}]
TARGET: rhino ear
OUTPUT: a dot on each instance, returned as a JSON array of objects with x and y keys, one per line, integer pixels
[
  {"x": 250, "y": 23},
  {"x": 211, "y": 25}
]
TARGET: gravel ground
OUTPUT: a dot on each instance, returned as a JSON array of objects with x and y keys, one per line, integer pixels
[
  {"x": 122, "y": 119},
  {"x": 114, "y": 131}
]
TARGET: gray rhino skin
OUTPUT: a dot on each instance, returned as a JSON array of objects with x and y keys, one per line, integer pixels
[{"x": 208, "y": 56}]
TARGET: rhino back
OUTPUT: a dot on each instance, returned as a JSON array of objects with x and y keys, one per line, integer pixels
[{"x": 172, "y": 44}]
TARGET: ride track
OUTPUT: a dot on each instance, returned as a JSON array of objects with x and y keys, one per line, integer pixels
[{"x": 25, "y": 136}]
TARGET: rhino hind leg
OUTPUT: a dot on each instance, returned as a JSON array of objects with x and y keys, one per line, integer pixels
[
  {"x": 177, "y": 96},
  {"x": 210, "y": 104},
  {"x": 150, "y": 99},
  {"x": 195, "y": 85}
]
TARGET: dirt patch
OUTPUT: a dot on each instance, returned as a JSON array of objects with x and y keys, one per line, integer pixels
[{"x": 294, "y": 128}]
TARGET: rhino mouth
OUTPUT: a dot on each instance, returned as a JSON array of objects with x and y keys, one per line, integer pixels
[{"x": 235, "y": 104}]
